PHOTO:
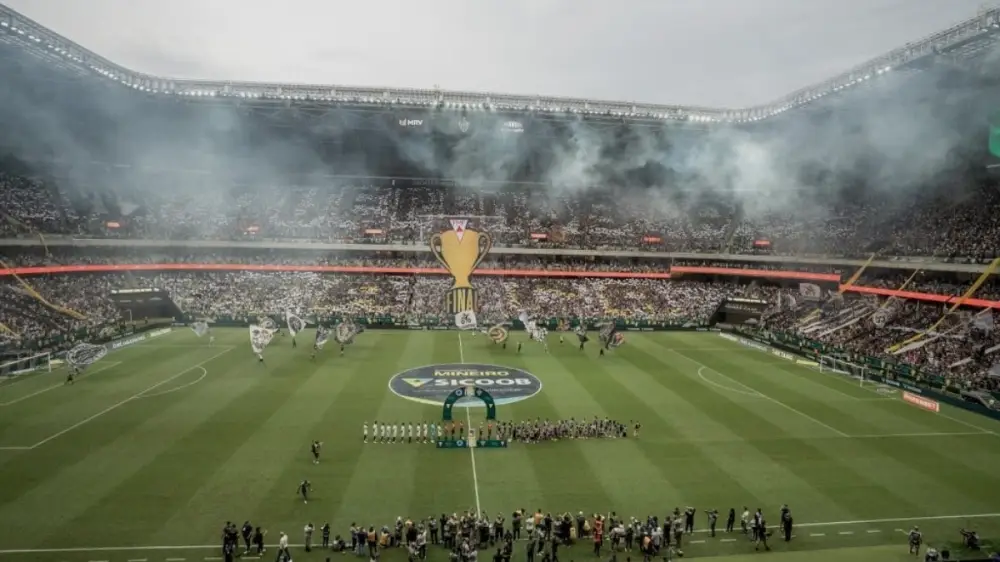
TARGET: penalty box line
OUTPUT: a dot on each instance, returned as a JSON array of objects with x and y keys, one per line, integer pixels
[
  {"x": 117, "y": 405},
  {"x": 762, "y": 395},
  {"x": 700, "y": 531},
  {"x": 107, "y": 365}
]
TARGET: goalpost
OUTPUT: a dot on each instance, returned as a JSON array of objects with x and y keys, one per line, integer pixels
[
  {"x": 40, "y": 362},
  {"x": 829, "y": 364}
]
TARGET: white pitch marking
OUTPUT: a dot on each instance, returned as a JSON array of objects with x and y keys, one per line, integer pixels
[
  {"x": 697, "y": 542},
  {"x": 176, "y": 559},
  {"x": 954, "y": 434},
  {"x": 728, "y": 540},
  {"x": 817, "y": 534},
  {"x": 846, "y": 533},
  {"x": 204, "y": 373},
  {"x": 702, "y": 376},
  {"x": 125, "y": 401},
  {"x": 762, "y": 395},
  {"x": 104, "y": 367},
  {"x": 873, "y": 531},
  {"x": 967, "y": 424},
  {"x": 468, "y": 417},
  {"x": 136, "y": 560}
]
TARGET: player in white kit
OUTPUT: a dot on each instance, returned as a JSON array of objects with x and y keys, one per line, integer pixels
[{"x": 365, "y": 432}]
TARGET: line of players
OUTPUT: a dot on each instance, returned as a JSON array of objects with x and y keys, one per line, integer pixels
[{"x": 525, "y": 431}]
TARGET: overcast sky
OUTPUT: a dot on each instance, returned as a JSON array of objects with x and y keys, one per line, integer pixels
[{"x": 719, "y": 53}]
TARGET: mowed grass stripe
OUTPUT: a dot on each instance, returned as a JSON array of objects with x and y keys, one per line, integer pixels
[
  {"x": 79, "y": 470},
  {"x": 914, "y": 471},
  {"x": 575, "y": 393},
  {"x": 736, "y": 431},
  {"x": 227, "y": 416},
  {"x": 673, "y": 466},
  {"x": 230, "y": 492},
  {"x": 888, "y": 475},
  {"x": 904, "y": 468},
  {"x": 506, "y": 478},
  {"x": 801, "y": 459},
  {"x": 565, "y": 477},
  {"x": 824, "y": 402},
  {"x": 29, "y": 421},
  {"x": 382, "y": 485}
]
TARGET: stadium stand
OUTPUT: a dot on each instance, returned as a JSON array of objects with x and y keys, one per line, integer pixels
[{"x": 361, "y": 181}]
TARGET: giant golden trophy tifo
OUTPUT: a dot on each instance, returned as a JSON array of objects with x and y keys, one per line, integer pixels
[{"x": 460, "y": 250}]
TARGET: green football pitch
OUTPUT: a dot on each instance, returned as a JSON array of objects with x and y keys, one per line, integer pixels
[{"x": 159, "y": 444}]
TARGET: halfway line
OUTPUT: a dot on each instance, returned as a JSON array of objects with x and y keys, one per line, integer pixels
[{"x": 468, "y": 418}]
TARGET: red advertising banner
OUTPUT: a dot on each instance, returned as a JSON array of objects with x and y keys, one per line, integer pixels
[
  {"x": 539, "y": 236},
  {"x": 773, "y": 274},
  {"x": 652, "y": 239},
  {"x": 374, "y": 231},
  {"x": 320, "y": 269}
]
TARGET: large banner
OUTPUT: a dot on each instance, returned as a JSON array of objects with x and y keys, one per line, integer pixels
[{"x": 460, "y": 250}]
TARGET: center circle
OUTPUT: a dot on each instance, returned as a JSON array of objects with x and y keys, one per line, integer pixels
[{"x": 431, "y": 384}]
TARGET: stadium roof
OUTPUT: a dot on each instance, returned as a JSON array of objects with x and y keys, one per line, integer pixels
[{"x": 959, "y": 45}]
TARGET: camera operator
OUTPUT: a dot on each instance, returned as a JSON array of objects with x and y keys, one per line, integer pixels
[{"x": 970, "y": 539}]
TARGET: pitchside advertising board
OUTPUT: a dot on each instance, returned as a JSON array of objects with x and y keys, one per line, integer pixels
[{"x": 432, "y": 384}]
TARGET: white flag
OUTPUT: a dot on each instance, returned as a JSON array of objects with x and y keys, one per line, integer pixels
[
  {"x": 810, "y": 291},
  {"x": 294, "y": 323},
  {"x": 465, "y": 320},
  {"x": 995, "y": 371},
  {"x": 259, "y": 338},
  {"x": 984, "y": 321},
  {"x": 199, "y": 328}
]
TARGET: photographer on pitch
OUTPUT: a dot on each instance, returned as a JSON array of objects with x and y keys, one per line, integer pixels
[{"x": 970, "y": 539}]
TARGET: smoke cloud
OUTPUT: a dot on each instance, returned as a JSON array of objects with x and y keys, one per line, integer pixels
[{"x": 889, "y": 139}]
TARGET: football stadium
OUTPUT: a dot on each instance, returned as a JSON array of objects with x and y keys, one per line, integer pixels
[{"x": 245, "y": 320}]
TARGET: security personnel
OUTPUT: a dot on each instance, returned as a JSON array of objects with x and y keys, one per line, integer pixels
[{"x": 786, "y": 523}]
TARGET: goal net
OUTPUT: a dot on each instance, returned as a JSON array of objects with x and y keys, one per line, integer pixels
[
  {"x": 838, "y": 366},
  {"x": 41, "y": 362}
]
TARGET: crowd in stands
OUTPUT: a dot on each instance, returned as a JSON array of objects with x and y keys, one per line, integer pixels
[
  {"x": 963, "y": 347},
  {"x": 943, "y": 224}
]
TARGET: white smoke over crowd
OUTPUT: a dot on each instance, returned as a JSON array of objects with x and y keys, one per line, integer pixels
[{"x": 895, "y": 135}]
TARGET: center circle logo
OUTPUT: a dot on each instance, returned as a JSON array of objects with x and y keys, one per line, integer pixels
[{"x": 433, "y": 383}]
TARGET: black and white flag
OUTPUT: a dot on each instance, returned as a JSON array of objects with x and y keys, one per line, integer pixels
[
  {"x": 294, "y": 323},
  {"x": 259, "y": 338},
  {"x": 322, "y": 336},
  {"x": 466, "y": 320},
  {"x": 346, "y": 331},
  {"x": 84, "y": 354}
]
